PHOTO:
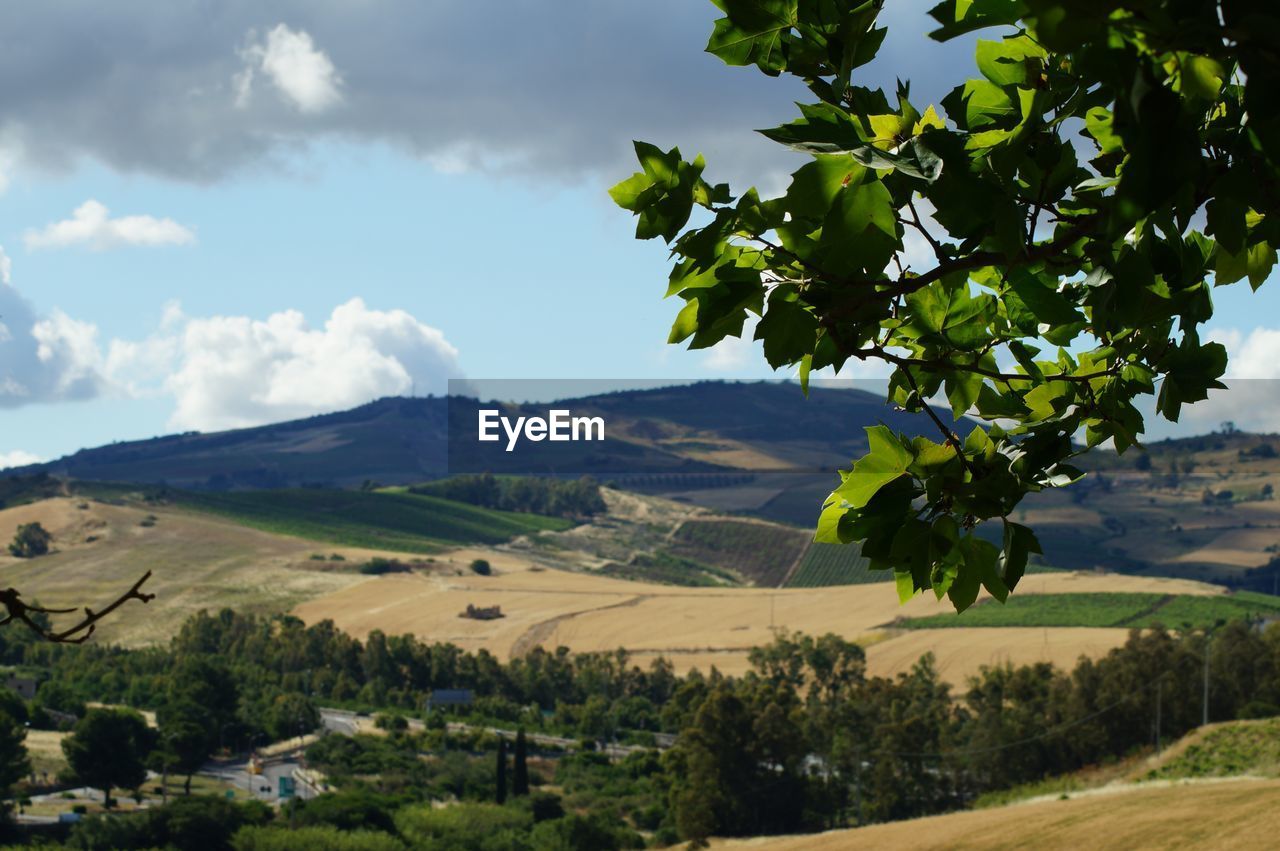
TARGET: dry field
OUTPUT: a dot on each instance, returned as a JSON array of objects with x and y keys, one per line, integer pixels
[
  {"x": 197, "y": 563},
  {"x": 45, "y": 749},
  {"x": 700, "y": 627},
  {"x": 1234, "y": 815}
]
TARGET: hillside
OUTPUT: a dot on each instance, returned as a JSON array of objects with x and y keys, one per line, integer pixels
[
  {"x": 1237, "y": 814},
  {"x": 657, "y": 577},
  {"x": 690, "y": 428}
]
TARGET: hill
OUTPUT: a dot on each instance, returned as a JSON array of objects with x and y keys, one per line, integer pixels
[
  {"x": 1237, "y": 814},
  {"x": 736, "y": 446}
]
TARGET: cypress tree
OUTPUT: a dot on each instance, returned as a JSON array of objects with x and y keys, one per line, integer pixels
[
  {"x": 501, "y": 795},
  {"x": 520, "y": 779}
]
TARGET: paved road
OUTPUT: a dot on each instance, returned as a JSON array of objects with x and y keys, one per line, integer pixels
[
  {"x": 348, "y": 724},
  {"x": 264, "y": 786}
]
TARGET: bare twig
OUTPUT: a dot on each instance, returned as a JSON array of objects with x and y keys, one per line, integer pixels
[
  {"x": 17, "y": 610},
  {"x": 928, "y": 237}
]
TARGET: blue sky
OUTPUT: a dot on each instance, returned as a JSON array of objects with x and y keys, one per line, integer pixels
[{"x": 243, "y": 171}]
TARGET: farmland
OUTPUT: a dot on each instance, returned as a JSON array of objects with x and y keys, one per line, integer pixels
[
  {"x": 1106, "y": 610},
  {"x": 702, "y": 627},
  {"x": 761, "y": 552},
  {"x": 398, "y": 521},
  {"x": 835, "y": 564}
]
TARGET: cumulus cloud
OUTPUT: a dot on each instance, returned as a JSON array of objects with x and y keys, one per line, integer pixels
[
  {"x": 18, "y": 458},
  {"x": 556, "y": 90},
  {"x": 223, "y": 371},
  {"x": 44, "y": 358},
  {"x": 295, "y": 66},
  {"x": 1252, "y": 397},
  {"x": 91, "y": 225},
  {"x": 234, "y": 371}
]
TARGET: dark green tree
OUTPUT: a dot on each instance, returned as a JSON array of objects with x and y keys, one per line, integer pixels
[
  {"x": 291, "y": 715},
  {"x": 14, "y": 762},
  {"x": 185, "y": 741},
  {"x": 31, "y": 540},
  {"x": 1079, "y": 197},
  {"x": 500, "y": 772},
  {"x": 108, "y": 748},
  {"x": 520, "y": 776}
]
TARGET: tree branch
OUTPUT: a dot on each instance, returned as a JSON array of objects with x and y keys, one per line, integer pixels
[
  {"x": 17, "y": 610},
  {"x": 880, "y": 353},
  {"x": 976, "y": 260},
  {"x": 951, "y": 437}
]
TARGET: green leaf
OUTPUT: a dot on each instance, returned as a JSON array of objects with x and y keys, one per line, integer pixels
[
  {"x": 753, "y": 32},
  {"x": 1015, "y": 61},
  {"x": 981, "y": 103},
  {"x": 958, "y": 17},
  {"x": 1048, "y": 305},
  {"x": 887, "y": 460},
  {"x": 861, "y": 231},
  {"x": 628, "y": 193},
  {"x": 1254, "y": 263},
  {"x": 824, "y": 129},
  {"x": 787, "y": 329},
  {"x": 905, "y": 584},
  {"x": 916, "y": 160},
  {"x": 1019, "y": 543}
]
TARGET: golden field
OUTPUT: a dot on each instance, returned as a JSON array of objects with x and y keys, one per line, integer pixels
[
  {"x": 700, "y": 627},
  {"x": 203, "y": 562},
  {"x": 1231, "y": 815},
  {"x": 197, "y": 562}
]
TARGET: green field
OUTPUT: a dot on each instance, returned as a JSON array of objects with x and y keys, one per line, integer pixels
[
  {"x": 762, "y": 552},
  {"x": 1106, "y": 610},
  {"x": 835, "y": 564},
  {"x": 666, "y": 569},
  {"x": 394, "y": 521}
]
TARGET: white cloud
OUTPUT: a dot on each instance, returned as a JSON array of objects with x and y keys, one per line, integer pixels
[
  {"x": 91, "y": 225},
  {"x": 18, "y": 458},
  {"x": 1253, "y": 355},
  {"x": 234, "y": 371},
  {"x": 299, "y": 70},
  {"x": 224, "y": 371},
  {"x": 734, "y": 353}
]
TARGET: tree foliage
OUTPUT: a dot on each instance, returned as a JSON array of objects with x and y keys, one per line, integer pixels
[
  {"x": 109, "y": 748},
  {"x": 30, "y": 540},
  {"x": 1080, "y": 196}
]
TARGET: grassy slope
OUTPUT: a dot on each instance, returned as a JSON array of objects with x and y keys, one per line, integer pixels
[
  {"x": 405, "y": 522},
  {"x": 1106, "y": 610},
  {"x": 1226, "y": 750},
  {"x": 1231, "y": 815}
]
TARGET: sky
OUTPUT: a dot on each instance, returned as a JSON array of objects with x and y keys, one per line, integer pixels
[{"x": 221, "y": 214}]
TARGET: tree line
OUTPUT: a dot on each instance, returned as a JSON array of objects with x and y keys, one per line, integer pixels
[
  {"x": 806, "y": 740},
  {"x": 572, "y": 498}
]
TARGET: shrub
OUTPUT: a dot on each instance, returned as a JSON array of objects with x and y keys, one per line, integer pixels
[
  {"x": 313, "y": 839},
  {"x": 482, "y": 567},
  {"x": 377, "y": 566},
  {"x": 30, "y": 541}
]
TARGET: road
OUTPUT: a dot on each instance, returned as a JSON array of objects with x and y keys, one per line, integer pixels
[
  {"x": 348, "y": 724},
  {"x": 264, "y": 786}
]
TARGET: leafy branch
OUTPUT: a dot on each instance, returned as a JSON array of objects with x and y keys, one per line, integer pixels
[{"x": 1170, "y": 191}]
